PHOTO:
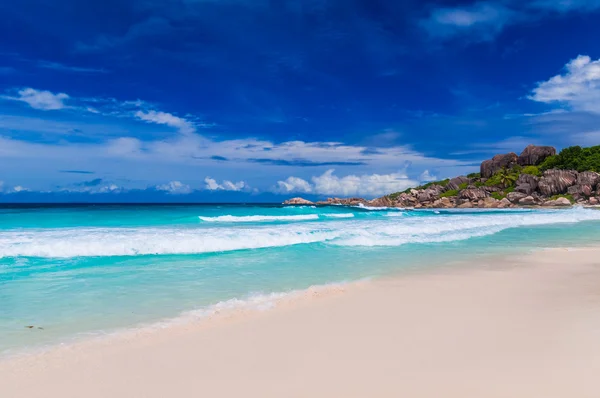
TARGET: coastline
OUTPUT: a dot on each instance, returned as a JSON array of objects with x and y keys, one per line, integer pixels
[{"x": 507, "y": 327}]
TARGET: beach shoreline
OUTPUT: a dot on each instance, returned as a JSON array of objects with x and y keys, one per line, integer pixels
[{"x": 509, "y": 327}]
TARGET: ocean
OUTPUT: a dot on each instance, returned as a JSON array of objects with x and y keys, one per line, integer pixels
[{"x": 76, "y": 271}]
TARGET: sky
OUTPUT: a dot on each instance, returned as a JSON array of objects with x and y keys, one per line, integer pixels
[{"x": 262, "y": 100}]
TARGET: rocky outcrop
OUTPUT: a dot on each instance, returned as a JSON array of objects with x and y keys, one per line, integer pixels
[
  {"x": 455, "y": 182},
  {"x": 583, "y": 188},
  {"x": 504, "y": 203},
  {"x": 344, "y": 202},
  {"x": 384, "y": 201},
  {"x": 515, "y": 197},
  {"x": 587, "y": 182},
  {"x": 556, "y": 182},
  {"x": 534, "y": 155},
  {"x": 580, "y": 191},
  {"x": 298, "y": 201},
  {"x": 497, "y": 163},
  {"x": 590, "y": 178},
  {"x": 473, "y": 194},
  {"x": 527, "y": 184},
  {"x": 527, "y": 201},
  {"x": 489, "y": 203},
  {"x": 465, "y": 205},
  {"x": 560, "y": 202},
  {"x": 444, "y": 203}
]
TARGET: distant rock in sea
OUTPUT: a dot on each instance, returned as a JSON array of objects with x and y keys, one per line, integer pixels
[{"x": 298, "y": 201}]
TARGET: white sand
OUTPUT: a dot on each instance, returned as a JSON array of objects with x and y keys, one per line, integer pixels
[{"x": 529, "y": 328}]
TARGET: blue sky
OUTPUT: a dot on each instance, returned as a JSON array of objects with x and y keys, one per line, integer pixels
[{"x": 257, "y": 100}]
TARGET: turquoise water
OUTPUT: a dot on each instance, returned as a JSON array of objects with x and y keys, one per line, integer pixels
[{"x": 85, "y": 270}]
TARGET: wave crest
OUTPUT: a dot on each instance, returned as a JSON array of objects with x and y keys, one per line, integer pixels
[{"x": 380, "y": 231}]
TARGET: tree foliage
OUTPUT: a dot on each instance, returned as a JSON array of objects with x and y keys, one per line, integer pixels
[{"x": 574, "y": 158}]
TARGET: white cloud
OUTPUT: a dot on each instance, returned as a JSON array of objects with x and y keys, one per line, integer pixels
[
  {"x": 168, "y": 119},
  {"x": 293, "y": 184},
  {"x": 487, "y": 19},
  {"x": 426, "y": 176},
  {"x": 144, "y": 163},
  {"x": 351, "y": 185},
  {"x": 40, "y": 99},
  {"x": 484, "y": 20},
  {"x": 19, "y": 188},
  {"x": 68, "y": 68},
  {"x": 577, "y": 88},
  {"x": 109, "y": 188},
  {"x": 213, "y": 185},
  {"x": 175, "y": 187}
]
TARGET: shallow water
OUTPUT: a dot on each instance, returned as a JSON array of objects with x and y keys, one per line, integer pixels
[{"x": 81, "y": 270}]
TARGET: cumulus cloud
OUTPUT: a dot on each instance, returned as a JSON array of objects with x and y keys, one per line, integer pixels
[
  {"x": 484, "y": 20},
  {"x": 213, "y": 185},
  {"x": 95, "y": 186},
  {"x": 110, "y": 188},
  {"x": 174, "y": 187},
  {"x": 19, "y": 188},
  {"x": 426, "y": 176},
  {"x": 40, "y": 99},
  {"x": 293, "y": 184},
  {"x": 168, "y": 119},
  {"x": 578, "y": 87},
  {"x": 351, "y": 185}
]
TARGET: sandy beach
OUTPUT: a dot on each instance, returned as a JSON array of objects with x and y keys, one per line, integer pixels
[{"x": 520, "y": 327}]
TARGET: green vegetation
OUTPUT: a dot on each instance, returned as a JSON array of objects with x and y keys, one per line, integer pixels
[
  {"x": 441, "y": 183},
  {"x": 498, "y": 195},
  {"x": 532, "y": 170},
  {"x": 505, "y": 178},
  {"x": 450, "y": 193},
  {"x": 395, "y": 195},
  {"x": 566, "y": 196},
  {"x": 574, "y": 158}
]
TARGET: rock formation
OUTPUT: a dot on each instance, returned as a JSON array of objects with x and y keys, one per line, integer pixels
[
  {"x": 298, "y": 201},
  {"x": 497, "y": 163},
  {"x": 534, "y": 155},
  {"x": 455, "y": 182},
  {"x": 527, "y": 184},
  {"x": 556, "y": 182}
]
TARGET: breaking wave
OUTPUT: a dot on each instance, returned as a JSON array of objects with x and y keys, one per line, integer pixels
[
  {"x": 372, "y": 231},
  {"x": 228, "y": 218}
]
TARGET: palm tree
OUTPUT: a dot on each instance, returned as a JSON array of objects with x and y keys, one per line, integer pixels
[{"x": 507, "y": 178}]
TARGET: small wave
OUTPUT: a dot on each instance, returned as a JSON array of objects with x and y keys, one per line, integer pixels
[
  {"x": 230, "y": 218},
  {"x": 373, "y": 208},
  {"x": 339, "y": 215},
  {"x": 394, "y": 214},
  {"x": 251, "y": 303}
]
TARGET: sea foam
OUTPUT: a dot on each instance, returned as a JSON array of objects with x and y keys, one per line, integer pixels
[
  {"x": 372, "y": 231},
  {"x": 229, "y": 218}
]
